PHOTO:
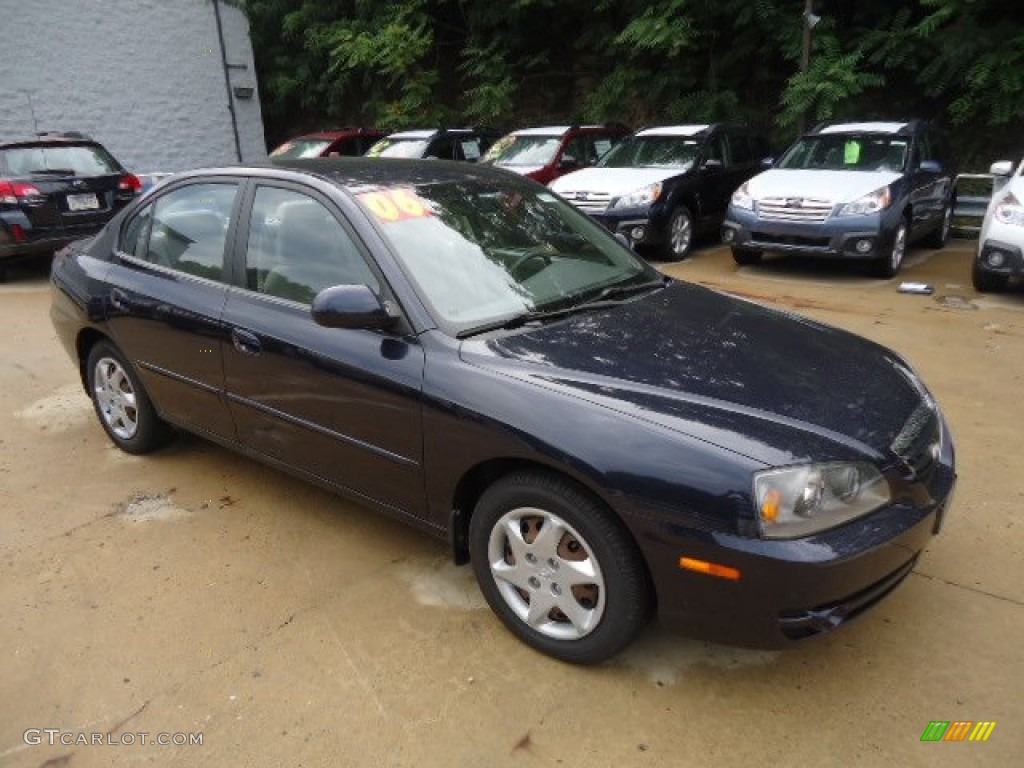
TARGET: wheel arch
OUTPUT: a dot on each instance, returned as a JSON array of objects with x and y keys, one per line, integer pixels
[
  {"x": 86, "y": 340},
  {"x": 481, "y": 476}
]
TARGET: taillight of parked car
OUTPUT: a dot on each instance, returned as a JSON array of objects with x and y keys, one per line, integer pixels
[
  {"x": 129, "y": 186},
  {"x": 12, "y": 192}
]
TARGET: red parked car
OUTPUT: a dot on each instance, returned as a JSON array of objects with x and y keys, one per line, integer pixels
[
  {"x": 544, "y": 154},
  {"x": 345, "y": 141}
]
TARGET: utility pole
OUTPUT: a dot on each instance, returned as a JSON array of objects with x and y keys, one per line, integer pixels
[{"x": 808, "y": 21}]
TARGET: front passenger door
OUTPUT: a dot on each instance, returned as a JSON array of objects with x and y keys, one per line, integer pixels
[{"x": 342, "y": 405}]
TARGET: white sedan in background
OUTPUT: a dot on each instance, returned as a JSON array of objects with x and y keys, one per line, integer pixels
[{"x": 1000, "y": 253}]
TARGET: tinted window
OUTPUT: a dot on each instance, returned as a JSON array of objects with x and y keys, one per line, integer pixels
[
  {"x": 741, "y": 150},
  {"x": 718, "y": 149},
  {"x": 190, "y": 227},
  {"x": 297, "y": 248},
  {"x": 136, "y": 234},
  {"x": 85, "y": 160}
]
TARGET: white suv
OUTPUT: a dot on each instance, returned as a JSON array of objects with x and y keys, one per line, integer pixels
[{"x": 1001, "y": 241}]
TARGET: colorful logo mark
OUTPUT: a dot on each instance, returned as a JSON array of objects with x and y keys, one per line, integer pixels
[{"x": 958, "y": 730}]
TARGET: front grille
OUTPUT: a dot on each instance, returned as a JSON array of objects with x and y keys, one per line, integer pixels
[
  {"x": 590, "y": 202},
  {"x": 918, "y": 443},
  {"x": 795, "y": 240},
  {"x": 803, "y": 209}
]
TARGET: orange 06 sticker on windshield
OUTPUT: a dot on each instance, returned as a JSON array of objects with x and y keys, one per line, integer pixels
[{"x": 397, "y": 204}]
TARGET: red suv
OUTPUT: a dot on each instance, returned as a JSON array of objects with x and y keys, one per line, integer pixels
[
  {"x": 345, "y": 141},
  {"x": 544, "y": 154},
  {"x": 56, "y": 188}
]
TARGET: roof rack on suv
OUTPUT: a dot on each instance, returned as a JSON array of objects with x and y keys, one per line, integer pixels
[{"x": 64, "y": 135}]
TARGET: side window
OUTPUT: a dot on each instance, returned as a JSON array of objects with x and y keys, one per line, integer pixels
[
  {"x": 297, "y": 248},
  {"x": 719, "y": 149},
  {"x": 346, "y": 147},
  {"x": 136, "y": 234},
  {"x": 443, "y": 149},
  {"x": 190, "y": 227},
  {"x": 603, "y": 143},
  {"x": 470, "y": 149},
  {"x": 741, "y": 151},
  {"x": 924, "y": 149}
]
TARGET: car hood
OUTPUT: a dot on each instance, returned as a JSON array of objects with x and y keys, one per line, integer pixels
[
  {"x": 707, "y": 364},
  {"x": 613, "y": 181},
  {"x": 835, "y": 186}
]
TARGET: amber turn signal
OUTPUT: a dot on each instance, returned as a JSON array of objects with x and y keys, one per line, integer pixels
[{"x": 711, "y": 569}]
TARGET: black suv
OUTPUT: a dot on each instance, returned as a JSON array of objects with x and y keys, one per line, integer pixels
[
  {"x": 849, "y": 191},
  {"x": 467, "y": 144},
  {"x": 56, "y": 188},
  {"x": 662, "y": 185}
]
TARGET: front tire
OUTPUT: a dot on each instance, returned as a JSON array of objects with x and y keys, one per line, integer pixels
[
  {"x": 121, "y": 403},
  {"x": 558, "y": 568},
  {"x": 746, "y": 257},
  {"x": 940, "y": 236},
  {"x": 679, "y": 234},
  {"x": 890, "y": 264}
]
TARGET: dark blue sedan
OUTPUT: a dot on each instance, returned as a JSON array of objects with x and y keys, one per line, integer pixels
[{"x": 459, "y": 348}]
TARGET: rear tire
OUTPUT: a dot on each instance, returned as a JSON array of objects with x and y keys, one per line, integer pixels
[
  {"x": 558, "y": 568},
  {"x": 986, "y": 282},
  {"x": 746, "y": 257},
  {"x": 121, "y": 403}
]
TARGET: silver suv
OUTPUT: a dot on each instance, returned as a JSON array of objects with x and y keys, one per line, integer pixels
[{"x": 848, "y": 191}]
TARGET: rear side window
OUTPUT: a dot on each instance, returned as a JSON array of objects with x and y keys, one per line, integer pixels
[
  {"x": 186, "y": 229},
  {"x": 77, "y": 160}
]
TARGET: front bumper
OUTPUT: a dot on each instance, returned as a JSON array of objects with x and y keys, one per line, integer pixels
[
  {"x": 999, "y": 258},
  {"x": 790, "y": 590},
  {"x": 845, "y": 237},
  {"x": 642, "y": 226}
]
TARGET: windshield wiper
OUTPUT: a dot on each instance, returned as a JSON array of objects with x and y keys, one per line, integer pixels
[
  {"x": 533, "y": 316},
  {"x": 622, "y": 291}
]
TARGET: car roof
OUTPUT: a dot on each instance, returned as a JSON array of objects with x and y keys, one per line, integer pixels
[
  {"x": 867, "y": 127},
  {"x": 56, "y": 141},
  {"x": 561, "y": 130},
  {"x": 360, "y": 173},
  {"x": 339, "y": 133},
  {"x": 429, "y": 133},
  {"x": 674, "y": 130}
]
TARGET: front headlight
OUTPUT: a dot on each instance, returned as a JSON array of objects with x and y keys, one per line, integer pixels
[
  {"x": 639, "y": 197},
  {"x": 871, "y": 203},
  {"x": 1010, "y": 211},
  {"x": 741, "y": 198},
  {"x": 798, "y": 501}
]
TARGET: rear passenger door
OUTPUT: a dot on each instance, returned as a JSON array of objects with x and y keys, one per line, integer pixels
[
  {"x": 342, "y": 405},
  {"x": 167, "y": 292}
]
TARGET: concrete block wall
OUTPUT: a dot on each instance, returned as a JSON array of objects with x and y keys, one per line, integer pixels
[{"x": 144, "y": 77}]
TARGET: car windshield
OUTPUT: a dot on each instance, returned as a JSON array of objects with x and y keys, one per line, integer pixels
[
  {"x": 480, "y": 251},
  {"x": 399, "y": 148},
  {"x": 523, "y": 150},
  {"x": 84, "y": 160},
  {"x": 301, "y": 148},
  {"x": 652, "y": 152},
  {"x": 847, "y": 152}
]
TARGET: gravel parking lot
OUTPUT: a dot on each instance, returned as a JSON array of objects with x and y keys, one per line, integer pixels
[{"x": 197, "y": 592}]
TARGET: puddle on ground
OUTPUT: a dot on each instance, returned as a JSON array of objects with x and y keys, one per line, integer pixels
[
  {"x": 67, "y": 408},
  {"x": 143, "y": 508},
  {"x": 952, "y": 301},
  {"x": 442, "y": 584},
  {"x": 664, "y": 657}
]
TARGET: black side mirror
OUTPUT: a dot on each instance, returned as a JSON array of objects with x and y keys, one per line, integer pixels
[
  {"x": 767, "y": 162},
  {"x": 712, "y": 163},
  {"x": 568, "y": 162},
  {"x": 350, "y": 306},
  {"x": 930, "y": 166}
]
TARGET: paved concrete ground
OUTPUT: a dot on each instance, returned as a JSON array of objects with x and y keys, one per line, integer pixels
[{"x": 195, "y": 591}]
